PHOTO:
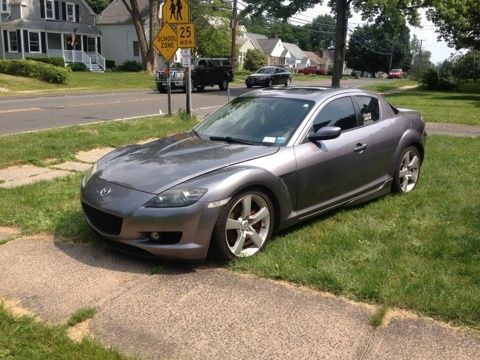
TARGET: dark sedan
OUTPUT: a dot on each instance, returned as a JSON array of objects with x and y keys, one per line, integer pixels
[
  {"x": 269, "y": 76},
  {"x": 265, "y": 161}
]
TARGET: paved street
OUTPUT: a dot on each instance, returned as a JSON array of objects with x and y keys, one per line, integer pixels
[{"x": 42, "y": 112}]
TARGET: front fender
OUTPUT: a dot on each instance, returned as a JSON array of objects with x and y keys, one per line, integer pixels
[
  {"x": 410, "y": 137},
  {"x": 227, "y": 182}
]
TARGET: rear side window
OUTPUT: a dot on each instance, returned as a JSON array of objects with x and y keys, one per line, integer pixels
[
  {"x": 369, "y": 109},
  {"x": 339, "y": 112}
]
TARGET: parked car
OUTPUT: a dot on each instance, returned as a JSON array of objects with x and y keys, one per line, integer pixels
[
  {"x": 309, "y": 70},
  {"x": 269, "y": 76},
  {"x": 205, "y": 72},
  {"x": 267, "y": 160},
  {"x": 395, "y": 74},
  {"x": 381, "y": 75}
]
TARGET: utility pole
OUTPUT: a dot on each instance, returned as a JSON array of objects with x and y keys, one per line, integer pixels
[
  {"x": 391, "y": 56},
  {"x": 234, "y": 33},
  {"x": 419, "y": 59},
  {"x": 340, "y": 36}
]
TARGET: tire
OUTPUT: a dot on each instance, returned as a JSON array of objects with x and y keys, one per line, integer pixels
[
  {"x": 407, "y": 171},
  {"x": 223, "y": 85},
  {"x": 200, "y": 88},
  {"x": 239, "y": 235},
  {"x": 249, "y": 86},
  {"x": 161, "y": 89},
  {"x": 270, "y": 83},
  {"x": 288, "y": 82}
]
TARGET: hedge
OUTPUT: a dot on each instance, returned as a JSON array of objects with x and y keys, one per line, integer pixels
[
  {"x": 78, "y": 66},
  {"x": 34, "y": 69},
  {"x": 57, "y": 61}
]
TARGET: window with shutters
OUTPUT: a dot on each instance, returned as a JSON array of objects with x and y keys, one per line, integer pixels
[
  {"x": 4, "y": 6},
  {"x": 70, "y": 12},
  {"x": 136, "y": 48},
  {"x": 34, "y": 42},
  {"x": 12, "y": 41},
  {"x": 49, "y": 9}
]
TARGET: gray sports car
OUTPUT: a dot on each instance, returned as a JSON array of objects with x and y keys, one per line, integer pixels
[{"x": 265, "y": 161}]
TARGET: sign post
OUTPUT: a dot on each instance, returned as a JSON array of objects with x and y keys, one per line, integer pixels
[{"x": 169, "y": 40}]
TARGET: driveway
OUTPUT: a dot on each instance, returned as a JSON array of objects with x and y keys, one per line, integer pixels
[{"x": 173, "y": 311}]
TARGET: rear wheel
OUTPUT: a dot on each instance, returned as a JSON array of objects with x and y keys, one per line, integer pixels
[
  {"x": 161, "y": 89},
  {"x": 288, "y": 82},
  {"x": 244, "y": 225},
  {"x": 407, "y": 171},
  {"x": 270, "y": 83}
]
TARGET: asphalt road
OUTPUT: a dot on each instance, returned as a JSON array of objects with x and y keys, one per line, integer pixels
[{"x": 43, "y": 112}]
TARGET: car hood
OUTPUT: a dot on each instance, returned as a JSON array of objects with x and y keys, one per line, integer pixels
[{"x": 157, "y": 166}]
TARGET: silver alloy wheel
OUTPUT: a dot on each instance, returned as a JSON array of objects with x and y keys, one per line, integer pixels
[
  {"x": 409, "y": 170},
  {"x": 289, "y": 82},
  {"x": 248, "y": 225},
  {"x": 270, "y": 83}
]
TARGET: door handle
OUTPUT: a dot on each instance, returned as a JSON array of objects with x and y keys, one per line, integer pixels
[{"x": 360, "y": 147}]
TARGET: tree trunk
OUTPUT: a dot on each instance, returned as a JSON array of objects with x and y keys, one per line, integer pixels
[{"x": 340, "y": 40}]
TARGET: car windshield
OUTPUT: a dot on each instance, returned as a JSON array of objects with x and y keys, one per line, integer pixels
[
  {"x": 396, "y": 70},
  {"x": 256, "y": 120},
  {"x": 265, "y": 70}
]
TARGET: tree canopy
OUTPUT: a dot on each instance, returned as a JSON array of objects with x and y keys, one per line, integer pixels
[
  {"x": 458, "y": 22},
  {"x": 98, "y": 5}
]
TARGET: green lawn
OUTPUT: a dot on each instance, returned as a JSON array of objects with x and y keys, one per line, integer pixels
[
  {"x": 25, "y": 338},
  {"x": 78, "y": 82},
  {"x": 457, "y": 107},
  {"x": 418, "y": 251},
  {"x": 62, "y": 144},
  {"x": 388, "y": 85}
]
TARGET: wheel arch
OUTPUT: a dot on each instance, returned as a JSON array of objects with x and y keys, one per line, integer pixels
[{"x": 409, "y": 138}]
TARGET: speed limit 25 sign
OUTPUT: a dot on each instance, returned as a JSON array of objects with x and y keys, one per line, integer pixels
[{"x": 186, "y": 35}]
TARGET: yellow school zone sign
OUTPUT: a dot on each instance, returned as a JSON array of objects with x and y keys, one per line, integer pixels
[
  {"x": 166, "y": 41},
  {"x": 176, "y": 12}
]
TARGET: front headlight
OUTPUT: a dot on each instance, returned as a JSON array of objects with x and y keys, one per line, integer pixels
[
  {"x": 89, "y": 174},
  {"x": 176, "y": 198}
]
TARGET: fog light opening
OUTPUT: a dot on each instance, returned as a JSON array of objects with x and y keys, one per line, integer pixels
[{"x": 154, "y": 236}]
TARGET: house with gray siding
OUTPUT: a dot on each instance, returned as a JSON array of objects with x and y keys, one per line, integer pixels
[{"x": 50, "y": 28}]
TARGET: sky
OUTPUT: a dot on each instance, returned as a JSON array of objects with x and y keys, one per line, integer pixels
[{"x": 439, "y": 49}]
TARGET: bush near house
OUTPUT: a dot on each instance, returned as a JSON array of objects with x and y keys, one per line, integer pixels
[
  {"x": 254, "y": 59},
  {"x": 34, "y": 69},
  {"x": 56, "y": 61},
  {"x": 131, "y": 65},
  {"x": 78, "y": 66}
]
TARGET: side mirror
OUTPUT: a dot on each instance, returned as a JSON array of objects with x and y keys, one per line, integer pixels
[{"x": 325, "y": 133}]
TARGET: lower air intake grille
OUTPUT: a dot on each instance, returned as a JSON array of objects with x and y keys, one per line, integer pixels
[{"x": 106, "y": 223}]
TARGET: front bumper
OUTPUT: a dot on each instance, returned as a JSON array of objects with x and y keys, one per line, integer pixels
[
  {"x": 121, "y": 219},
  {"x": 256, "y": 82}
]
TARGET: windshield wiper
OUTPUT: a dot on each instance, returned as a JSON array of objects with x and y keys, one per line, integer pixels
[
  {"x": 230, "y": 139},
  {"x": 195, "y": 133}
]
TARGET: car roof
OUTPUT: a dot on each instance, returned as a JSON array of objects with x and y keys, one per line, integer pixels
[{"x": 312, "y": 93}]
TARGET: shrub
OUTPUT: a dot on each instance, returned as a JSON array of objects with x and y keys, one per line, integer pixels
[
  {"x": 78, "y": 66},
  {"x": 431, "y": 81},
  {"x": 254, "y": 59},
  {"x": 110, "y": 64},
  {"x": 55, "y": 61},
  {"x": 131, "y": 65},
  {"x": 34, "y": 69}
]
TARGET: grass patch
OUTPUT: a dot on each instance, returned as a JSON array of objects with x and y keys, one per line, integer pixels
[
  {"x": 81, "y": 315},
  {"x": 79, "y": 82},
  {"x": 390, "y": 85},
  {"x": 457, "y": 107},
  {"x": 377, "y": 318},
  {"x": 26, "y": 338},
  {"x": 62, "y": 144},
  {"x": 418, "y": 251}
]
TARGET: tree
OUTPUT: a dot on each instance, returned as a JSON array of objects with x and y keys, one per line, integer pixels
[
  {"x": 419, "y": 57},
  {"x": 212, "y": 24},
  {"x": 392, "y": 12},
  {"x": 98, "y": 5},
  {"x": 254, "y": 59},
  {"x": 466, "y": 66},
  {"x": 147, "y": 51},
  {"x": 373, "y": 48},
  {"x": 458, "y": 22}
]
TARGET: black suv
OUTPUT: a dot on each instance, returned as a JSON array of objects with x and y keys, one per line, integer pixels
[{"x": 205, "y": 72}]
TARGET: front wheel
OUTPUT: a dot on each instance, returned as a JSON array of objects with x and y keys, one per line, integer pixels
[
  {"x": 270, "y": 83},
  {"x": 244, "y": 225},
  {"x": 407, "y": 171},
  {"x": 288, "y": 82}
]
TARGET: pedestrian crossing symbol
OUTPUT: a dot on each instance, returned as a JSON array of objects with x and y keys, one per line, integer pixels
[{"x": 176, "y": 12}]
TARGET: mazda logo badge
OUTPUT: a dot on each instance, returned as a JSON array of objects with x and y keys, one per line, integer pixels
[{"x": 105, "y": 191}]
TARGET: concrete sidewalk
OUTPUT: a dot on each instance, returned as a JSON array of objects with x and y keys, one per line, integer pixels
[{"x": 201, "y": 312}]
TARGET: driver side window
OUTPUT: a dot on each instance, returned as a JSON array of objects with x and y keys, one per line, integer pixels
[{"x": 338, "y": 112}]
